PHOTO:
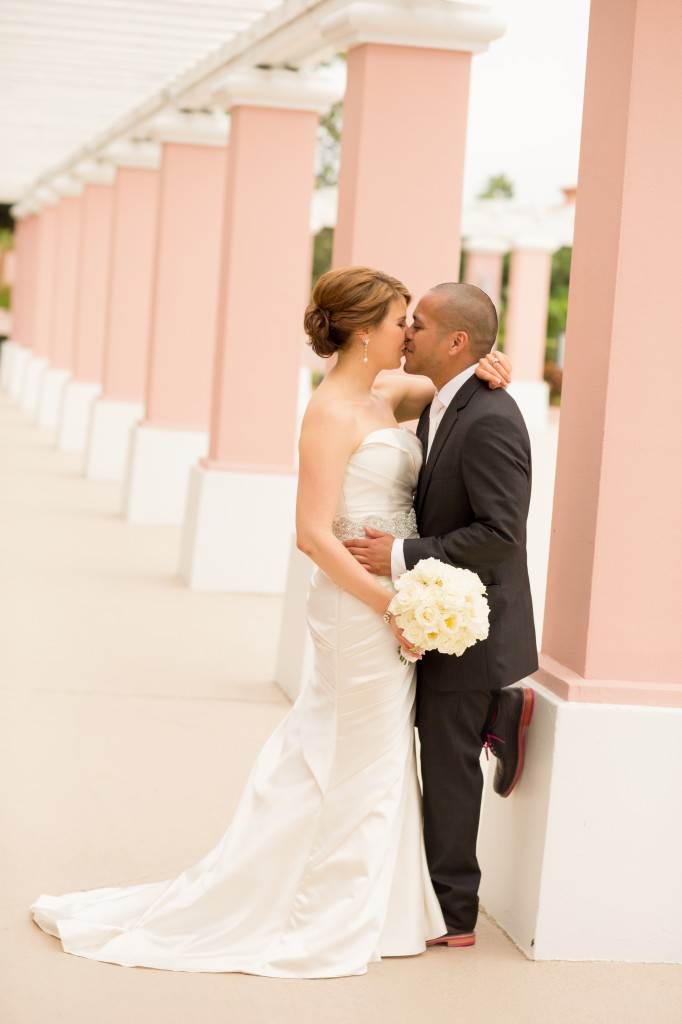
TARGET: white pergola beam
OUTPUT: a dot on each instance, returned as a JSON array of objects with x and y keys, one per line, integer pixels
[
  {"x": 200, "y": 54},
  {"x": 69, "y": 68}
]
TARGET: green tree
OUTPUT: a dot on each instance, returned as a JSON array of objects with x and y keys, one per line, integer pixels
[
  {"x": 6, "y": 243},
  {"x": 498, "y": 187},
  {"x": 322, "y": 253},
  {"x": 558, "y": 299},
  {"x": 556, "y": 319},
  {"x": 327, "y": 176},
  {"x": 329, "y": 146}
]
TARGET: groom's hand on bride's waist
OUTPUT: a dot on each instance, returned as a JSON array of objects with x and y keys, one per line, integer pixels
[{"x": 372, "y": 551}]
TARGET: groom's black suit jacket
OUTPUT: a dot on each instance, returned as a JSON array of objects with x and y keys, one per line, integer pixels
[{"x": 472, "y": 504}]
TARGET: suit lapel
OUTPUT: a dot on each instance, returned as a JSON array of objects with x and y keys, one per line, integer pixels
[
  {"x": 423, "y": 426},
  {"x": 469, "y": 388},
  {"x": 423, "y": 435}
]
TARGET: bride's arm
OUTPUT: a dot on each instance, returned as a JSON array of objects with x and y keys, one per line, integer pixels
[
  {"x": 409, "y": 395},
  {"x": 328, "y": 437}
]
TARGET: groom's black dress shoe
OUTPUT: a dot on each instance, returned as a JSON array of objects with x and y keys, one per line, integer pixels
[
  {"x": 454, "y": 940},
  {"x": 505, "y": 736}
]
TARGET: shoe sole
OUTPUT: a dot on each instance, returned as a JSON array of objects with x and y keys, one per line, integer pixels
[
  {"x": 524, "y": 722},
  {"x": 453, "y": 941}
]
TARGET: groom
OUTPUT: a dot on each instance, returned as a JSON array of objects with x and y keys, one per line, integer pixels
[{"x": 472, "y": 504}]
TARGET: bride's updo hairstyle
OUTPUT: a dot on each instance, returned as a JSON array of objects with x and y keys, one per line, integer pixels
[{"x": 348, "y": 300}]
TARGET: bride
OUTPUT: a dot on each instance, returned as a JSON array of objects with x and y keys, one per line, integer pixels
[{"x": 322, "y": 870}]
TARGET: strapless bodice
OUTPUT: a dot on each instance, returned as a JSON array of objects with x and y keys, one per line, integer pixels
[{"x": 379, "y": 484}]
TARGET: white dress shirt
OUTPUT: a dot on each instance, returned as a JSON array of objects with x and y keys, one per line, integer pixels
[{"x": 446, "y": 394}]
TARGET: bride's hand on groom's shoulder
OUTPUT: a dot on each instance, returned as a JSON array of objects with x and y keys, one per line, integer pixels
[{"x": 496, "y": 369}]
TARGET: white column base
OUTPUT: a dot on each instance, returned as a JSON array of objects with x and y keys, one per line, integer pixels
[
  {"x": 295, "y": 648},
  {"x": 72, "y": 432},
  {"x": 8, "y": 350},
  {"x": 237, "y": 531},
  {"x": 35, "y": 368},
  {"x": 158, "y": 473},
  {"x": 532, "y": 398},
  {"x": 17, "y": 370},
  {"x": 582, "y": 861},
  {"x": 107, "y": 448},
  {"x": 52, "y": 384}
]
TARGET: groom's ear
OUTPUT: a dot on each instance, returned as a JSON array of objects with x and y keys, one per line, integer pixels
[{"x": 458, "y": 342}]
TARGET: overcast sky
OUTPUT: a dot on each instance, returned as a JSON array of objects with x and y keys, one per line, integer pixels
[{"x": 526, "y": 100}]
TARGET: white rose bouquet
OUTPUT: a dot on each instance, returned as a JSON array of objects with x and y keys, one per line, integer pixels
[{"x": 440, "y": 607}]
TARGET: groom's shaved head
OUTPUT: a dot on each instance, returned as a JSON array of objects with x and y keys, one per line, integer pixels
[{"x": 464, "y": 307}]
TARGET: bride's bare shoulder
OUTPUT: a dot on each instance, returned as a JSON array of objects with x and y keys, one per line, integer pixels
[{"x": 329, "y": 421}]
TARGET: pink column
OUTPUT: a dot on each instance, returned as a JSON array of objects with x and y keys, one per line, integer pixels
[
  {"x": 267, "y": 247},
  {"x": 128, "y": 311},
  {"x": 186, "y": 282},
  {"x": 91, "y": 305},
  {"x": 30, "y": 282},
  {"x": 264, "y": 285},
  {"x": 47, "y": 266},
  {"x": 398, "y": 99},
  {"x": 526, "y": 326},
  {"x": 63, "y": 335},
  {"x": 404, "y": 133},
  {"x": 29, "y": 243},
  {"x": 95, "y": 264},
  {"x": 616, "y": 531},
  {"x": 132, "y": 274},
  {"x": 63, "y": 312},
  {"x": 21, "y": 232},
  {"x": 174, "y": 433},
  {"x": 43, "y": 299},
  {"x": 527, "y": 303},
  {"x": 593, "y": 823},
  {"x": 483, "y": 266}
]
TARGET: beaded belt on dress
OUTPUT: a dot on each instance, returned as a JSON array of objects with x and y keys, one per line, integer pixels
[{"x": 402, "y": 525}]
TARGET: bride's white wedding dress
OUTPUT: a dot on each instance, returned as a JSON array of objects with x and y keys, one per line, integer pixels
[{"x": 322, "y": 870}]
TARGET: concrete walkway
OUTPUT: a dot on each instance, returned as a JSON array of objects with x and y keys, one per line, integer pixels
[{"x": 131, "y": 711}]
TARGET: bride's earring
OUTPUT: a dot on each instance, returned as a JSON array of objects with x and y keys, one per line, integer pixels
[{"x": 365, "y": 342}]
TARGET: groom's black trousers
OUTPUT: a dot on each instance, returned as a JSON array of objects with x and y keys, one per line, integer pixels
[{"x": 451, "y": 729}]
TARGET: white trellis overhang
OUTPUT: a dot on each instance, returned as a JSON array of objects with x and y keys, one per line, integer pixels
[
  {"x": 79, "y": 75},
  {"x": 69, "y": 68}
]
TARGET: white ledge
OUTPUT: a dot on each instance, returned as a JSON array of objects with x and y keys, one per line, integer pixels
[
  {"x": 278, "y": 88},
  {"x": 20, "y": 210},
  {"x": 534, "y": 243},
  {"x": 192, "y": 127},
  {"x": 46, "y": 196},
  {"x": 32, "y": 205},
  {"x": 96, "y": 172},
  {"x": 432, "y": 24},
  {"x": 127, "y": 153},
  {"x": 68, "y": 185},
  {"x": 486, "y": 244}
]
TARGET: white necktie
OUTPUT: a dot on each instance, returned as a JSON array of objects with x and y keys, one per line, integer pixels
[{"x": 435, "y": 415}]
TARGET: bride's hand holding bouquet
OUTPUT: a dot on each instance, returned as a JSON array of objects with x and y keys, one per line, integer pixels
[{"x": 439, "y": 607}]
